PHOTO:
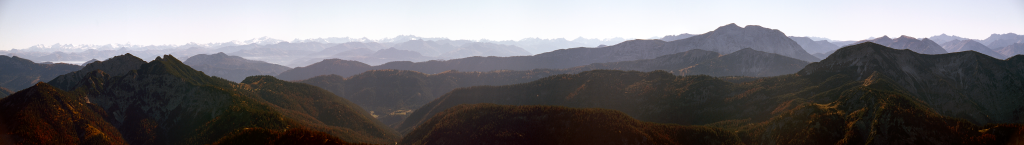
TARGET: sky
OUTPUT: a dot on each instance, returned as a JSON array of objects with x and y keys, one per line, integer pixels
[{"x": 24, "y": 23}]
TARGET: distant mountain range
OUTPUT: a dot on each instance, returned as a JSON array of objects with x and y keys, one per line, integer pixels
[
  {"x": 848, "y": 97},
  {"x": 677, "y": 37},
  {"x": 815, "y": 47},
  {"x": 725, "y": 40},
  {"x": 943, "y": 38},
  {"x": 18, "y": 73},
  {"x": 1012, "y": 50},
  {"x": 301, "y": 54},
  {"x": 971, "y": 45},
  {"x": 295, "y": 52},
  {"x": 232, "y": 68},
  {"x": 1002, "y": 40},
  {"x": 924, "y": 46}
]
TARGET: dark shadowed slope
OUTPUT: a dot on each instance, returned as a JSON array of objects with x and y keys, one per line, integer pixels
[
  {"x": 18, "y": 73},
  {"x": 944, "y": 82},
  {"x": 503, "y": 124},
  {"x": 632, "y": 92},
  {"x": 43, "y": 114},
  {"x": 90, "y": 61},
  {"x": 845, "y": 99},
  {"x": 392, "y": 94},
  {"x": 746, "y": 62},
  {"x": 1012, "y": 50},
  {"x": 166, "y": 102},
  {"x": 4, "y": 92},
  {"x": 291, "y": 136},
  {"x": 971, "y": 45},
  {"x": 233, "y": 68},
  {"x": 333, "y": 114}
]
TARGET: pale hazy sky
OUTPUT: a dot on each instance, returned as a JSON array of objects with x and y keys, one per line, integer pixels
[{"x": 24, "y": 23}]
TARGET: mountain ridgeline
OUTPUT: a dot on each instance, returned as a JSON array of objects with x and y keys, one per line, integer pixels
[
  {"x": 733, "y": 85},
  {"x": 924, "y": 46},
  {"x": 17, "y": 73},
  {"x": 724, "y": 40},
  {"x": 233, "y": 68},
  {"x": 971, "y": 45},
  {"x": 165, "y": 101},
  {"x": 393, "y": 94},
  {"x": 864, "y": 94}
]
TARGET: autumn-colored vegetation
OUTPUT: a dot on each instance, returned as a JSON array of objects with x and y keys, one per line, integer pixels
[{"x": 43, "y": 114}]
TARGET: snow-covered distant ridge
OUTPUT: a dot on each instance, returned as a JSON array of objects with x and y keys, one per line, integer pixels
[{"x": 268, "y": 40}]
